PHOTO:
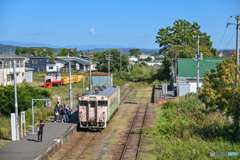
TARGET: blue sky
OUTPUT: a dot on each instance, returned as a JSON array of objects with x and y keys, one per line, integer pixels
[{"x": 114, "y": 22}]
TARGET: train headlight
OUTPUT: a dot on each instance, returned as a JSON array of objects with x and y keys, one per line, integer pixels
[{"x": 102, "y": 98}]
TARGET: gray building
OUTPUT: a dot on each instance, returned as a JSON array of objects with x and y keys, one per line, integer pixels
[{"x": 38, "y": 63}]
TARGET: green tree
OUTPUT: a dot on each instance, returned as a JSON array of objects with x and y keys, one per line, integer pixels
[
  {"x": 63, "y": 52},
  {"x": 19, "y": 50},
  {"x": 181, "y": 33},
  {"x": 134, "y": 52},
  {"x": 114, "y": 64}
]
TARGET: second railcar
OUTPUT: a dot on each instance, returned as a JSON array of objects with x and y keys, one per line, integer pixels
[{"x": 97, "y": 106}]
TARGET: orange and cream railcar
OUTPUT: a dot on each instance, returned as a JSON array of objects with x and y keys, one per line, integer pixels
[{"x": 98, "y": 106}]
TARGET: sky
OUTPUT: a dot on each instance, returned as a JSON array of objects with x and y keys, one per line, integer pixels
[{"x": 128, "y": 23}]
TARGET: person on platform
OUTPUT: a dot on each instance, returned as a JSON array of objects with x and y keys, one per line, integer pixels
[
  {"x": 62, "y": 113},
  {"x": 66, "y": 114},
  {"x": 40, "y": 130},
  {"x": 55, "y": 113}
]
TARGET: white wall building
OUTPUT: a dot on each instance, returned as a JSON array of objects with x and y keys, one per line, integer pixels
[
  {"x": 153, "y": 63},
  {"x": 144, "y": 56},
  {"x": 6, "y": 69},
  {"x": 132, "y": 59},
  {"x": 53, "y": 67}
]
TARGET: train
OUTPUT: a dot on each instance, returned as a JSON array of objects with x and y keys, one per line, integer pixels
[
  {"x": 96, "y": 107},
  {"x": 55, "y": 79}
]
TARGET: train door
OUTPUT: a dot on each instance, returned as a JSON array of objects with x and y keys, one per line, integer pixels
[{"x": 92, "y": 111}]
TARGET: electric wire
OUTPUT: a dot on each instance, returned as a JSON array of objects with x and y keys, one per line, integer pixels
[
  {"x": 224, "y": 33},
  {"x": 230, "y": 40},
  {"x": 7, "y": 103}
]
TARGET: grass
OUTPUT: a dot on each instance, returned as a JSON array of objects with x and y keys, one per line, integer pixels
[{"x": 187, "y": 130}]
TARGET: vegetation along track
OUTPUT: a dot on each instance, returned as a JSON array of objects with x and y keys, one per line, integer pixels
[
  {"x": 77, "y": 150},
  {"x": 127, "y": 94}
]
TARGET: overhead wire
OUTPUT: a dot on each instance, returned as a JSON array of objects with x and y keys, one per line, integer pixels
[
  {"x": 230, "y": 40},
  {"x": 224, "y": 32}
]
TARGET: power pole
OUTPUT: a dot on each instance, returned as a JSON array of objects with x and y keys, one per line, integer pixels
[
  {"x": 109, "y": 57},
  {"x": 83, "y": 80},
  {"x": 70, "y": 81},
  {"x": 16, "y": 103},
  {"x": 175, "y": 61},
  {"x": 236, "y": 76},
  {"x": 198, "y": 60},
  {"x": 120, "y": 64},
  {"x": 90, "y": 73}
]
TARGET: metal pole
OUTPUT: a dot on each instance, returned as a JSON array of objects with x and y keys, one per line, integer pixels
[
  {"x": 70, "y": 82},
  {"x": 16, "y": 104},
  {"x": 198, "y": 65},
  {"x": 83, "y": 80},
  {"x": 120, "y": 65},
  {"x": 175, "y": 58},
  {"x": 109, "y": 68},
  {"x": 90, "y": 73},
  {"x": 236, "y": 82},
  {"x": 32, "y": 117}
]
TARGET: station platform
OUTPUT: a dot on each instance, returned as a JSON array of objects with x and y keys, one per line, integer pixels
[{"x": 54, "y": 134}]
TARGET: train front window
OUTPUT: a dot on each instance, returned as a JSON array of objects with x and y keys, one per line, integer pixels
[
  {"x": 92, "y": 104},
  {"x": 102, "y": 103},
  {"x": 83, "y": 103}
]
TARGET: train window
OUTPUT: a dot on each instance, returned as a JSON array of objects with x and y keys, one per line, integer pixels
[
  {"x": 102, "y": 103},
  {"x": 92, "y": 104},
  {"x": 83, "y": 103}
]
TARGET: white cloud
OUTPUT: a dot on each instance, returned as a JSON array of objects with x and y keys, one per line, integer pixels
[
  {"x": 92, "y": 32},
  {"x": 142, "y": 35}
]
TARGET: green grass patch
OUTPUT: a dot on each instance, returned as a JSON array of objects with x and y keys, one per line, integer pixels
[{"x": 187, "y": 130}]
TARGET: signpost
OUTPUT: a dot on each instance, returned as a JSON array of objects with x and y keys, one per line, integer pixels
[{"x": 23, "y": 122}]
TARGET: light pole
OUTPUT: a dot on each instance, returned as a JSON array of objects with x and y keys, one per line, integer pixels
[
  {"x": 33, "y": 101},
  {"x": 70, "y": 82},
  {"x": 16, "y": 103}
]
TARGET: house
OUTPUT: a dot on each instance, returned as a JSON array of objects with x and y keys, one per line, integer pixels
[
  {"x": 53, "y": 67},
  {"x": 39, "y": 63},
  {"x": 7, "y": 69},
  {"x": 144, "y": 56},
  {"x": 26, "y": 57},
  {"x": 186, "y": 78},
  {"x": 226, "y": 53},
  {"x": 153, "y": 63},
  {"x": 132, "y": 59},
  {"x": 77, "y": 63}
]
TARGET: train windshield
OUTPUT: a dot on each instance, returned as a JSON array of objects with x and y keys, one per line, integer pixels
[
  {"x": 102, "y": 103},
  {"x": 83, "y": 103}
]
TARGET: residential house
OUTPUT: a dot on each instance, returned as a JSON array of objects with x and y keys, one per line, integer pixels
[
  {"x": 226, "y": 53},
  {"x": 26, "y": 57},
  {"x": 54, "y": 67},
  {"x": 153, "y": 63},
  {"x": 7, "y": 69},
  {"x": 132, "y": 59},
  {"x": 144, "y": 56},
  {"x": 77, "y": 63},
  {"x": 39, "y": 63},
  {"x": 186, "y": 74}
]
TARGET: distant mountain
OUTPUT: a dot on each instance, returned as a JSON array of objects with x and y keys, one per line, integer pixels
[{"x": 6, "y": 45}]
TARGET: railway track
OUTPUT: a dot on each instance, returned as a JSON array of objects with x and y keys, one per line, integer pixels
[
  {"x": 133, "y": 141},
  {"x": 77, "y": 150}
]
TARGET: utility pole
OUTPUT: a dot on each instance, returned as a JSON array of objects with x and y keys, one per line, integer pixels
[
  {"x": 70, "y": 81},
  {"x": 16, "y": 103},
  {"x": 109, "y": 57},
  {"x": 120, "y": 64},
  {"x": 175, "y": 65},
  {"x": 236, "y": 76},
  {"x": 83, "y": 80},
  {"x": 198, "y": 60},
  {"x": 90, "y": 73}
]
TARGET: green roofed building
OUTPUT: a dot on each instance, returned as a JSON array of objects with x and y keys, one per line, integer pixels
[{"x": 187, "y": 72}]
